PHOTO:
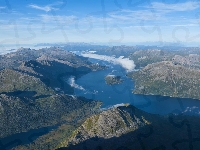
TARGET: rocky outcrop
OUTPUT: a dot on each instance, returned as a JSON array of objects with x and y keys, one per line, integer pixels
[
  {"x": 111, "y": 123},
  {"x": 136, "y": 130}
]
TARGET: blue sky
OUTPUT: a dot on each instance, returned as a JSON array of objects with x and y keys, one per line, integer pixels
[{"x": 99, "y": 21}]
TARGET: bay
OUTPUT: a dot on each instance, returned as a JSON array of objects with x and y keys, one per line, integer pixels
[{"x": 94, "y": 87}]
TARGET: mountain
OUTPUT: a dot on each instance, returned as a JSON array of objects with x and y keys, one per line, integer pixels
[
  {"x": 167, "y": 79},
  {"x": 50, "y": 66},
  {"x": 190, "y": 61},
  {"x": 35, "y": 93},
  {"x": 142, "y": 58},
  {"x": 116, "y": 51},
  {"x": 126, "y": 128},
  {"x": 15, "y": 59},
  {"x": 71, "y": 46},
  {"x": 20, "y": 114},
  {"x": 108, "y": 124},
  {"x": 14, "y": 81}
]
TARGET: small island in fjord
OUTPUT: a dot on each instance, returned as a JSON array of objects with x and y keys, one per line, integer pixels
[{"x": 113, "y": 79}]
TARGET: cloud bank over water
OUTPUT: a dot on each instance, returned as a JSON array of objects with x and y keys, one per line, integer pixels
[
  {"x": 72, "y": 83},
  {"x": 126, "y": 63}
]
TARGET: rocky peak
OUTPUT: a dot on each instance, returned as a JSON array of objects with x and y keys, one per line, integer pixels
[{"x": 110, "y": 123}]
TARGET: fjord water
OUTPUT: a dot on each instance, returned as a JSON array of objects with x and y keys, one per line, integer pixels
[{"x": 95, "y": 88}]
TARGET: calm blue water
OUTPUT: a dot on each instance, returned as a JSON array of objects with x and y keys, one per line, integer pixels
[{"x": 96, "y": 88}]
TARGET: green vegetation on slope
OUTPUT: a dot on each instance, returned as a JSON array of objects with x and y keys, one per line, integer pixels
[
  {"x": 127, "y": 127},
  {"x": 29, "y": 95},
  {"x": 23, "y": 114},
  {"x": 167, "y": 79},
  {"x": 11, "y": 81},
  {"x": 107, "y": 124}
]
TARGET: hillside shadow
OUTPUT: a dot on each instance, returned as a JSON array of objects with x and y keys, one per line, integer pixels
[
  {"x": 150, "y": 137},
  {"x": 23, "y": 138},
  {"x": 25, "y": 96},
  {"x": 129, "y": 141},
  {"x": 55, "y": 74}
]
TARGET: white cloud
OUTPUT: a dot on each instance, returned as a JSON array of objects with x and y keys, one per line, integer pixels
[
  {"x": 133, "y": 23},
  {"x": 72, "y": 83},
  {"x": 156, "y": 11},
  {"x": 185, "y": 25},
  {"x": 124, "y": 62},
  {"x": 62, "y": 19},
  {"x": 44, "y": 8},
  {"x": 186, "y": 6},
  {"x": 47, "y": 8},
  {"x": 132, "y": 16},
  {"x": 155, "y": 14},
  {"x": 1, "y": 7}
]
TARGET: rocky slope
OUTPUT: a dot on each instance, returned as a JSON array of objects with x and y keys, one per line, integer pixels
[
  {"x": 190, "y": 61},
  {"x": 126, "y": 127},
  {"x": 167, "y": 79},
  {"x": 15, "y": 59},
  {"x": 107, "y": 124},
  {"x": 142, "y": 58}
]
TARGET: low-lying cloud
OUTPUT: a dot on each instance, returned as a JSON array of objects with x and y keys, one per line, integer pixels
[
  {"x": 72, "y": 83},
  {"x": 126, "y": 63}
]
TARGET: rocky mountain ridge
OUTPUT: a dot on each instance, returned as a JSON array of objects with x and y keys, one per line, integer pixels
[{"x": 127, "y": 127}]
